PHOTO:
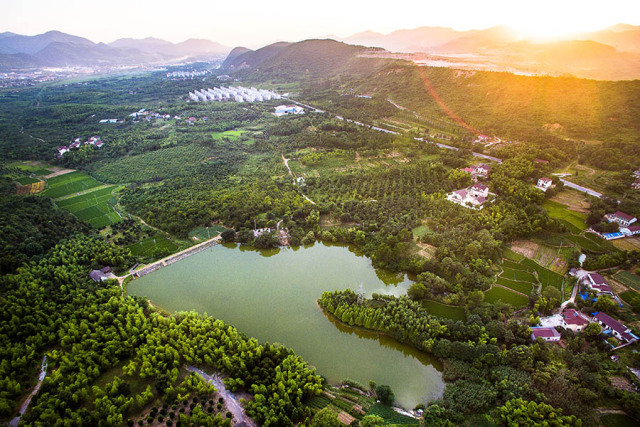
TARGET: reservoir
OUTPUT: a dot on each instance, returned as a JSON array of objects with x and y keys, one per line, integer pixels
[{"x": 271, "y": 295}]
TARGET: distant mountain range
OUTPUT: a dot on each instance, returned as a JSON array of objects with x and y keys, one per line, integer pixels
[
  {"x": 609, "y": 54},
  {"x": 55, "y": 49}
]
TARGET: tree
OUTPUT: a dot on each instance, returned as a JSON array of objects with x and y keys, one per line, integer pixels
[
  {"x": 228, "y": 235},
  {"x": 592, "y": 330},
  {"x": 326, "y": 418},
  {"x": 519, "y": 412},
  {"x": 372, "y": 421},
  {"x": 385, "y": 394}
]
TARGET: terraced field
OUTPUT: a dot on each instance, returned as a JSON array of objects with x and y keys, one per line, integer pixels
[
  {"x": 443, "y": 310},
  {"x": 497, "y": 293},
  {"x": 69, "y": 183}
]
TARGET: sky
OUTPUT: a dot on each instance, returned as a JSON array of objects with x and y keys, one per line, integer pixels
[{"x": 254, "y": 23}]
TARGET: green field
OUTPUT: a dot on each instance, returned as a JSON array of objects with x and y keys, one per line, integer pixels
[
  {"x": 26, "y": 180},
  {"x": 64, "y": 185},
  {"x": 318, "y": 402},
  {"x": 231, "y": 134},
  {"x": 519, "y": 274},
  {"x": 630, "y": 297},
  {"x": 94, "y": 207},
  {"x": 147, "y": 247},
  {"x": 628, "y": 279},
  {"x": 559, "y": 211},
  {"x": 523, "y": 287},
  {"x": 206, "y": 233},
  {"x": 497, "y": 293},
  {"x": 438, "y": 309},
  {"x": 545, "y": 276},
  {"x": 421, "y": 230},
  {"x": 390, "y": 416}
]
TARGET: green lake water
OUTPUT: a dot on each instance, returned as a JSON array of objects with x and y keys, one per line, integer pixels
[{"x": 271, "y": 295}]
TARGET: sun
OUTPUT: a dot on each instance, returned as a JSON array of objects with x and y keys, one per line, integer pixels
[{"x": 547, "y": 24}]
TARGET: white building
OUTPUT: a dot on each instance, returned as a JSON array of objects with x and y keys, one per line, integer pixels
[
  {"x": 282, "y": 110},
  {"x": 544, "y": 183}
]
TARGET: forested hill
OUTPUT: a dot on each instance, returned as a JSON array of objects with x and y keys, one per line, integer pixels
[
  {"x": 293, "y": 60},
  {"x": 530, "y": 108},
  {"x": 518, "y": 107}
]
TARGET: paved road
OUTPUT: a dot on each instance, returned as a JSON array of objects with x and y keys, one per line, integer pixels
[{"x": 581, "y": 188}]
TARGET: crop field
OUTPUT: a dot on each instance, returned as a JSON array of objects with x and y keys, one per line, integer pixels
[
  {"x": 438, "y": 309},
  {"x": 318, "y": 402},
  {"x": 94, "y": 207},
  {"x": 154, "y": 165},
  {"x": 629, "y": 279},
  {"x": 591, "y": 243},
  {"x": 519, "y": 274},
  {"x": 206, "y": 233},
  {"x": 147, "y": 247},
  {"x": 25, "y": 180},
  {"x": 70, "y": 183},
  {"x": 562, "y": 212},
  {"x": 545, "y": 276},
  {"x": 390, "y": 416},
  {"x": 630, "y": 297},
  {"x": 230, "y": 134},
  {"x": 516, "y": 285},
  {"x": 617, "y": 420},
  {"x": 497, "y": 293}
]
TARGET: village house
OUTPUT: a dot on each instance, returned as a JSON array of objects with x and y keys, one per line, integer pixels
[
  {"x": 617, "y": 329},
  {"x": 472, "y": 197},
  {"x": 596, "y": 282},
  {"x": 544, "y": 183},
  {"x": 98, "y": 276},
  {"x": 483, "y": 170},
  {"x": 547, "y": 334},
  {"x": 632, "y": 230},
  {"x": 573, "y": 320},
  {"x": 621, "y": 218}
]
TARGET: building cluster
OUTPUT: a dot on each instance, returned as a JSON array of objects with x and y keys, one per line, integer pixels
[
  {"x": 148, "y": 115},
  {"x": 77, "y": 143},
  {"x": 283, "y": 110},
  {"x": 237, "y": 94},
  {"x": 624, "y": 220},
  {"x": 478, "y": 171},
  {"x": 186, "y": 75},
  {"x": 472, "y": 197},
  {"x": 576, "y": 321},
  {"x": 475, "y": 196}
]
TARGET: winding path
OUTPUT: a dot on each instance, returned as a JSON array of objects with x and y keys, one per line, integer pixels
[
  {"x": 232, "y": 403},
  {"x": 286, "y": 163},
  {"x": 23, "y": 408}
]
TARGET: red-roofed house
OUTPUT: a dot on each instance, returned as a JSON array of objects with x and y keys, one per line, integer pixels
[
  {"x": 572, "y": 319},
  {"x": 544, "y": 183},
  {"x": 596, "y": 282},
  {"x": 547, "y": 334},
  {"x": 632, "y": 230},
  {"x": 468, "y": 170},
  {"x": 479, "y": 190},
  {"x": 621, "y": 218},
  {"x": 617, "y": 329}
]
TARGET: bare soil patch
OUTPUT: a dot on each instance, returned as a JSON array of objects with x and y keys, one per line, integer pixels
[{"x": 525, "y": 248}]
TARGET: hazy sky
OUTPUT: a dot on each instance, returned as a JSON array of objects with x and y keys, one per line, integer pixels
[{"x": 258, "y": 22}]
